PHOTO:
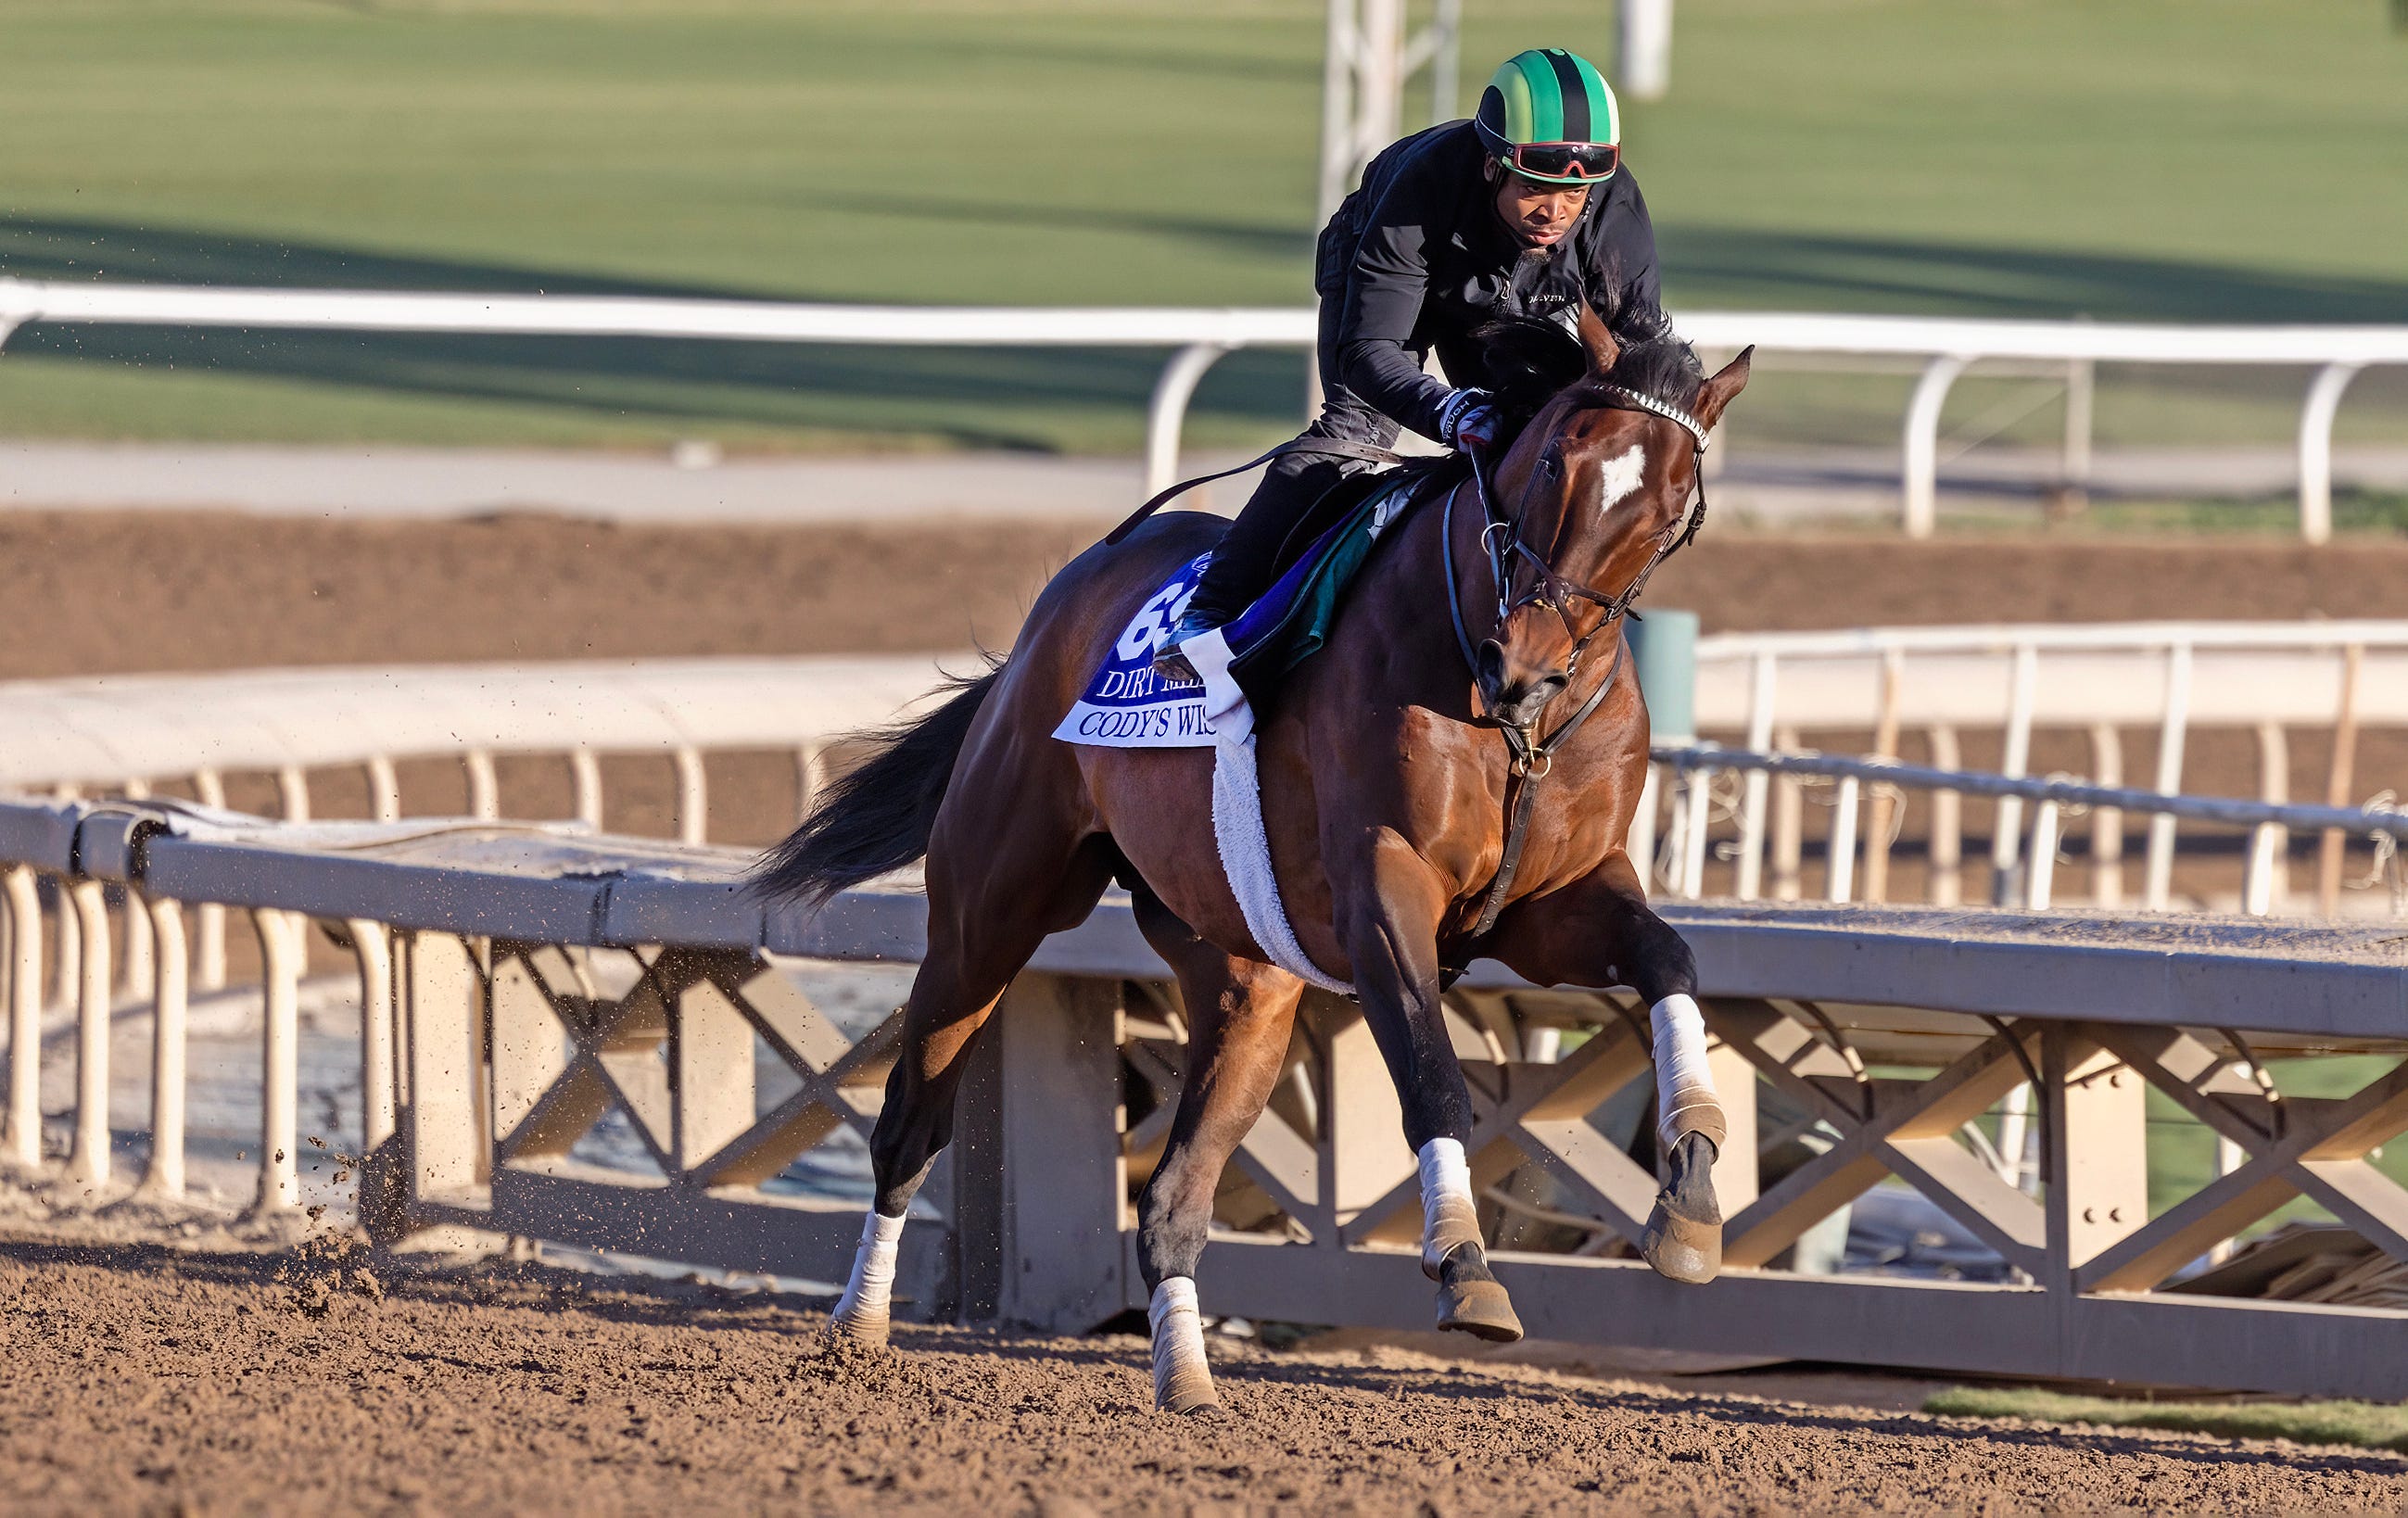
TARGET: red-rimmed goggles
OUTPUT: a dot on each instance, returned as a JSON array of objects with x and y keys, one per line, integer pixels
[{"x": 1563, "y": 161}]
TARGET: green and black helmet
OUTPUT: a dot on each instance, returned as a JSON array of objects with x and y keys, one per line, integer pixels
[{"x": 1549, "y": 115}]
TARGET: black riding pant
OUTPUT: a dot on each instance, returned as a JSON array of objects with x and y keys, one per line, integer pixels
[{"x": 1241, "y": 566}]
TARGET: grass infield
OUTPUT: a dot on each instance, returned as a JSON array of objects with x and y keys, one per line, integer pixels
[
  {"x": 2365, "y": 1424},
  {"x": 2156, "y": 159}
]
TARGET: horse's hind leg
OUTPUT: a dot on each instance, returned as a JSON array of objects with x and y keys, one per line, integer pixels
[
  {"x": 994, "y": 893},
  {"x": 1600, "y": 932},
  {"x": 1238, "y": 1017}
]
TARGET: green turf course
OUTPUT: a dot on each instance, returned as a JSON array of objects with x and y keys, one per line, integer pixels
[
  {"x": 2156, "y": 159},
  {"x": 2365, "y": 1424}
]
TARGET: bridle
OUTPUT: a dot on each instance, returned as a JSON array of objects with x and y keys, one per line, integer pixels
[{"x": 1503, "y": 546}]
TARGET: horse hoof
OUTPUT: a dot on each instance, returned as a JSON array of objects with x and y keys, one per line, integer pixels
[
  {"x": 1682, "y": 1249},
  {"x": 846, "y": 1331},
  {"x": 1190, "y": 1400},
  {"x": 1480, "y": 1308}
]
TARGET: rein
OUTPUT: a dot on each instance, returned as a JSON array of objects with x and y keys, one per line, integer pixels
[{"x": 1532, "y": 755}]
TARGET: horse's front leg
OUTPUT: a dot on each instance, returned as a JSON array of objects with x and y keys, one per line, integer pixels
[
  {"x": 1600, "y": 932},
  {"x": 1389, "y": 922}
]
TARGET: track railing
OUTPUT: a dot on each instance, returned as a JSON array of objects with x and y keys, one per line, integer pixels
[
  {"x": 2025, "y": 865},
  {"x": 1948, "y": 346},
  {"x": 2341, "y": 678},
  {"x": 520, "y": 984},
  {"x": 130, "y": 735}
]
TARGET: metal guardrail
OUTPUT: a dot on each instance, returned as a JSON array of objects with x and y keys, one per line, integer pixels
[
  {"x": 1949, "y": 346},
  {"x": 2026, "y": 879},
  {"x": 2342, "y": 677},
  {"x": 519, "y": 983}
]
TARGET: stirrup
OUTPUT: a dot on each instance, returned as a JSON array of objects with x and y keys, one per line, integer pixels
[{"x": 1170, "y": 661}]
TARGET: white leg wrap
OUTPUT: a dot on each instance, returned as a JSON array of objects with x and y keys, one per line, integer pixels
[
  {"x": 1684, "y": 1085},
  {"x": 1449, "y": 1219},
  {"x": 1182, "y": 1380},
  {"x": 861, "y": 1312}
]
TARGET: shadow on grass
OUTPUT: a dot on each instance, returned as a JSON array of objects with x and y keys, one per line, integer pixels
[
  {"x": 983, "y": 397},
  {"x": 1711, "y": 264}
]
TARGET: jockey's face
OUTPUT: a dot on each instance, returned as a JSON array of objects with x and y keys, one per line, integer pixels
[{"x": 1540, "y": 214}]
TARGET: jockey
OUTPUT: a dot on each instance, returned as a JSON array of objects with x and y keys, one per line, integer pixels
[{"x": 1524, "y": 210}]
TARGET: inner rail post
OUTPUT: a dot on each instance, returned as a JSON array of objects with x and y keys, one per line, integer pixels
[
  {"x": 280, "y": 950},
  {"x": 1167, "y": 412},
  {"x": 2158, "y": 889},
  {"x": 1639, "y": 845},
  {"x": 1763, "y": 691},
  {"x": 1889, "y": 801},
  {"x": 2316, "y": 449},
  {"x": 2106, "y": 822},
  {"x": 2006, "y": 837},
  {"x": 585, "y": 786},
  {"x": 208, "y": 920},
  {"x": 693, "y": 796},
  {"x": 2040, "y": 878},
  {"x": 1946, "y": 887},
  {"x": 384, "y": 789},
  {"x": 164, "y": 1179},
  {"x": 2332, "y": 852},
  {"x": 1843, "y": 872},
  {"x": 484, "y": 785},
  {"x": 372, "y": 948},
  {"x": 88, "y": 1163},
  {"x": 1922, "y": 450},
  {"x": 2269, "y": 843},
  {"x": 24, "y": 905}
]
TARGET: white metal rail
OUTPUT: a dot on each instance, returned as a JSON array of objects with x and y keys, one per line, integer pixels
[
  {"x": 1949, "y": 346},
  {"x": 2269, "y": 825},
  {"x": 2342, "y": 677}
]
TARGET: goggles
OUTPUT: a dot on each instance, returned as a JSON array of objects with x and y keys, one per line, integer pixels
[{"x": 1564, "y": 161}]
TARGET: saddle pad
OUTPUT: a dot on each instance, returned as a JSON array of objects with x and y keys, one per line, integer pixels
[{"x": 1127, "y": 706}]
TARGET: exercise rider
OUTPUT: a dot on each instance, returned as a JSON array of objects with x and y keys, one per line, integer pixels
[{"x": 1524, "y": 210}]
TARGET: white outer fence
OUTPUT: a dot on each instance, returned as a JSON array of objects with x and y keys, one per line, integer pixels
[{"x": 1949, "y": 346}]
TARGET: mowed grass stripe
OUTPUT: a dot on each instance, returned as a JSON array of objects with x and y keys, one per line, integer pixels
[{"x": 2159, "y": 159}]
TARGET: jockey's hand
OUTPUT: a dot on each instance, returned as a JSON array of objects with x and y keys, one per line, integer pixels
[{"x": 1469, "y": 421}]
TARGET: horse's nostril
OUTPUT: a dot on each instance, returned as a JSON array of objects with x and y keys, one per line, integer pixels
[{"x": 1488, "y": 666}]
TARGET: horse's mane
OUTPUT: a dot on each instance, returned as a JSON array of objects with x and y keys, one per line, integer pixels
[{"x": 1527, "y": 362}]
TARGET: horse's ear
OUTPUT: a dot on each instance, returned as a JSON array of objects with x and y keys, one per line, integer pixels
[
  {"x": 1598, "y": 340},
  {"x": 1720, "y": 391}
]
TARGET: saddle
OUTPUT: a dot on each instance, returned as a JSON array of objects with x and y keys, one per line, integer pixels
[{"x": 1317, "y": 564}]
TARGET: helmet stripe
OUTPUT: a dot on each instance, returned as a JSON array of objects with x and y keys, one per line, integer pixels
[
  {"x": 1546, "y": 99},
  {"x": 1514, "y": 86},
  {"x": 1600, "y": 97},
  {"x": 1571, "y": 94}
]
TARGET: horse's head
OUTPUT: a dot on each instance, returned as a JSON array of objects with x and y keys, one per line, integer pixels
[{"x": 1594, "y": 493}]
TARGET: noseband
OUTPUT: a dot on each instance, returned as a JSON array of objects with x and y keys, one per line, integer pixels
[{"x": 1503, "y": 545}]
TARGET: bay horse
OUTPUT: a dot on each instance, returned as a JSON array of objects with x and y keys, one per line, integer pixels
[{"x": 1393, "y": 767}]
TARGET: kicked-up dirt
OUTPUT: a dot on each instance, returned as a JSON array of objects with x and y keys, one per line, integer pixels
[{"x": 143, "y": 1380}]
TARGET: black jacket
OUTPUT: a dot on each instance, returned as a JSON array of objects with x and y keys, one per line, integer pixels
[{"x": 1421, "y": 259}]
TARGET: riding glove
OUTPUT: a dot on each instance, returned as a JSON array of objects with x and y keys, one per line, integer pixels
[{"x": 1468, "y": 421}]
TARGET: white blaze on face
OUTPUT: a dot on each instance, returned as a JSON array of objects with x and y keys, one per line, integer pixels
[{"x": 1620, "y": 477}]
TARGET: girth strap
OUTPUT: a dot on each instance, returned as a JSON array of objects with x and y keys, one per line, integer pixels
[{"x": 1338, "y": 447}]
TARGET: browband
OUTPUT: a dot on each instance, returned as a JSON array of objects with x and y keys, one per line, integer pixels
[{"x": 1666, "y": 410}]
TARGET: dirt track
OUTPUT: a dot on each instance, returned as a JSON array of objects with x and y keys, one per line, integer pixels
[
  {"x": 142, "y": 1379},
  {"x": 125, "y": 591},
  {"x": 146, "y": 1381}
]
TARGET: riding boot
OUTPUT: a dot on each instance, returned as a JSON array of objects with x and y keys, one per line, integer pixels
[{"x": 1245, "y": 559}]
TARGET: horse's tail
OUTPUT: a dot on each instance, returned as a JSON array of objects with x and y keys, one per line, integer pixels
[{"x": 876, "y": 819}]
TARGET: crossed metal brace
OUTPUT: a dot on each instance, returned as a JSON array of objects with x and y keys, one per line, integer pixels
[{"x": 548, "y": 1096}]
